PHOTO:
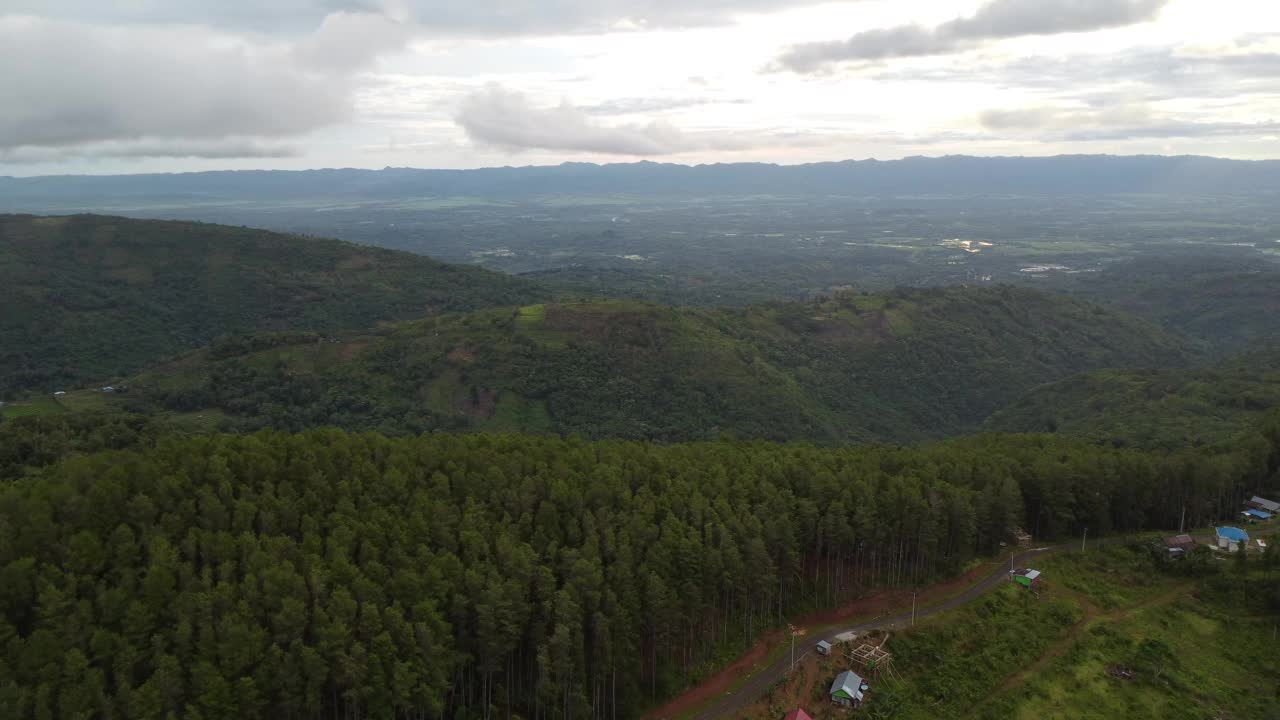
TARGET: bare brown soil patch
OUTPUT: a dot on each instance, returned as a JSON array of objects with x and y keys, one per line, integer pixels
[
  {"x": 630, "y": 327},
  {"x": 480, "y": 405},
  {"x": 357, "y": 262},
  {"x": 872, "y": 329},
  {"x": 461, "y": 354},
  {"x": 351, "y": 350}
]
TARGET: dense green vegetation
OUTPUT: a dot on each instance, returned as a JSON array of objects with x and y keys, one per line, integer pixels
[
  {"x": 905, "y": 366},
  {"x": 88, "y": 297},
  {"x": 1231, "y": 312},
  {"x": 1152, "y": 408},
  {"x": 950, "y": 668},
  {"x": 467, "y": 576},
  {"x": 30, "y": 443},
  {"x": 940, "y": 668},
  {"x": 1195, "y": 648},
  {"x": 1119, "y": 631},
  {"x": 1228, "y": 304},
  {"x": 149, "y": 573},
  {"x": 92, "y": 299}
]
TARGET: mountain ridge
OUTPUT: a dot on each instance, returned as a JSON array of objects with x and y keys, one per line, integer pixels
[
  {"x": 906, "y": 366},
  {"x": 89, "y": 295},
  {"x": 962, "y": 174},
  {"x": 1165, "y": 408}
]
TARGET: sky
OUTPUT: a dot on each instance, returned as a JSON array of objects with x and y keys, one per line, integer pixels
[{"x": 127, "y": 86}]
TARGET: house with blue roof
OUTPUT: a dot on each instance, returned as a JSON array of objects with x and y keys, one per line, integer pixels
[
  {"x": 1252, "y": 515},
  {"x": 1232, "y": 539}
]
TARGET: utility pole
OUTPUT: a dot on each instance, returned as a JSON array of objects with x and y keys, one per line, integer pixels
[
  {"x": 1182, "y": 522},
  {"x": 1084, "y": 540},
  {"x": 913, "y": 607}
]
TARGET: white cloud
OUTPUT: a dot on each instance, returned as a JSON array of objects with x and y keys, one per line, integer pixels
[
  {"x": 1118, "y": 122},
  {"x": 219, "y": 149},
  {"x": 162, "y": 85},
  {"x": 639, "y": 105},
  {"x": 509, "y": 120},
  {"x": 998, "y": 19},
  {"x": 348, "y": 41}
]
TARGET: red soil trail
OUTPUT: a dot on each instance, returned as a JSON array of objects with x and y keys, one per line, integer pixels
[
  {"x": 717, "y": 684},
  {"x": 871, "y": 606}
]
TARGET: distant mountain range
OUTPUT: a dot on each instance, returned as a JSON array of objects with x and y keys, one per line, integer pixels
[{"x": 916, "y": 175}]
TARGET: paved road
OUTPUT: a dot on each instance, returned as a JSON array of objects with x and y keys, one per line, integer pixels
[{"x": 731, "y": 704}]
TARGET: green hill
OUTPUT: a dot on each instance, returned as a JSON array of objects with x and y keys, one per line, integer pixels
[
  {"x": 1225, "y": 304},
  {"x": 1152, "y": 408},
  {"x": 87, "y": 296},
  {"x": 1229, "y": 311},
  {"x": 906, "y": 366}
]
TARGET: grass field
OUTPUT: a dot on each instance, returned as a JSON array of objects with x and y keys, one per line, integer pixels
[
  {"x": 34, "y": 406},
  {"x": 1189, "y": 659},
  {"x": 1114, "y": 635},
  {"x": 515, "y": 413},
  {"x": 1192, "y": 647},
  {"x": 86, "y": 401},
  {"x": 202, "y": 421}
]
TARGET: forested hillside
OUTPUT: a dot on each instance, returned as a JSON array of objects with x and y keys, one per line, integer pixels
[
  {"x": 1152, "y": 408},
  {"x": 30, "y": 443},
  {"x": 86, "y": 297},
  {"x": 481, "y": 576},
  {"x": 909, "y": 365},
  {"x": 1226, "y": 304}
]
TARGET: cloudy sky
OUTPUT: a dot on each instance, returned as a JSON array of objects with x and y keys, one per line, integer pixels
[{"x": 160, "y": 85}]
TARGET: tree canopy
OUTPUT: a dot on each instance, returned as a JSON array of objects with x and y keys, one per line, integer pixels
[
  {"x": 88, "y": 297},
  {"x": 327, "y": 574}
]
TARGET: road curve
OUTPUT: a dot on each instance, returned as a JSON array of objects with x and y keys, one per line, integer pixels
[{"x": 732, "y": 703}]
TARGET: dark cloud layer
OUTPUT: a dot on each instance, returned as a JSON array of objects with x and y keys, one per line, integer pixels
[
  {"x": 87, "y": 79},
  {"x": 69, "y": 84},
  {"x": 193, "y": 78},
  {"x": 996, "y": 20},
  {"x": 480, "y": 17}
]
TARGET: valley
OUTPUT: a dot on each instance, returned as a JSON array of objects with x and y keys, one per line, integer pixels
[
  {"x": 745, "y": 234},
  {"x": 622, "y": 442},
  {"x": 639, "y": 360}
]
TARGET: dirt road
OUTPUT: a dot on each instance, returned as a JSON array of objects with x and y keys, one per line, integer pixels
[{"x": 731, "y": 704}]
